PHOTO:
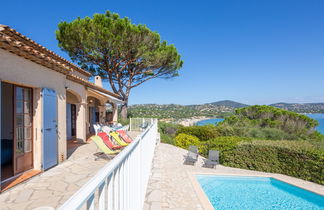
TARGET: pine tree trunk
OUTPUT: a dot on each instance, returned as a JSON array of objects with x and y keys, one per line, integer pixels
[{"x": 123, "y": 112}]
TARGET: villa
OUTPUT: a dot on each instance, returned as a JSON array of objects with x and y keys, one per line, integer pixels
[
  {"x": 46, "y": 101},
  {"x": 48, "y": 105}
]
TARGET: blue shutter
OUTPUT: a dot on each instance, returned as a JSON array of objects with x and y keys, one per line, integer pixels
[
  {"x": 50, "y": 141},
  {"x": 0, "y": 129},
  {"x": 68, "y": 122}
]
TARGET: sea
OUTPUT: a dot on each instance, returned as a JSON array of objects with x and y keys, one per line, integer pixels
[{"x": 317, "y": 116}]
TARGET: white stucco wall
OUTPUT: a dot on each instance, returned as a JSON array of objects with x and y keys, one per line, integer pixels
[
  {"x": 79, "y": 91},
  {"x": 20, "y": 71}
]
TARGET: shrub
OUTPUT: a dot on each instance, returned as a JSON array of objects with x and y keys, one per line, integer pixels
[
  {"x": 169, "y": 128},
  {"x": 268, "y": 122},
  {"x": 168, "y": 132},
  {"x": 202, "y": 132},
  {"x": 184, "y": 140},
  {"x": 167, "y": 139},
  {"x": 123, "y": 121},
  {"x": 294, "y": 158},
  {"x": 222, "y": 143}
]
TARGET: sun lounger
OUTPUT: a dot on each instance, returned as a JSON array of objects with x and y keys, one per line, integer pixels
[
  {"x": 144, "y": 125},
  {"x": 115, "y": 135},
  {"x": 96, "y": 128},
  {"x": 106, "y": 139},
  {"x": 106, "y": 129},
  {"x": 192, "y": 155},
  {"x": 124, "y": 136},
  {"x": 213, "y": 158},
  {"x": 106, "y": 152}
]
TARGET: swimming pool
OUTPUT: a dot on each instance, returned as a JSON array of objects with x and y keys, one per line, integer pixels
[{"x": 243, "y": 192}]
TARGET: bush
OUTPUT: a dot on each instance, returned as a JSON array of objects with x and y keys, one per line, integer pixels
[
  {"x": 202, "y": 132},
  {"x": 167, "y": 139},
  {"x": 222, "y": 143},
  {"x": 294, "y": 158},
  {"x": 168, "y": 132},
  {"x": 123, "y": 121},
  {"x": 268, "y": 122},
  {"x": 184, "y": 140},
  {"x": 168, "y": 128}
]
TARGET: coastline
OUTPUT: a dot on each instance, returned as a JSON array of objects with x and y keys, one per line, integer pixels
[{"x": 192, "y": 121}]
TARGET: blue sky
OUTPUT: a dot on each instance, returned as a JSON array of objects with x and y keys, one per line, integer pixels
[{"x": 255, "y": 52}]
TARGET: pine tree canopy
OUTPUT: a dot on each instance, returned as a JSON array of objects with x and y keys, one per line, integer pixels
[{"x": 124, "y": 53}]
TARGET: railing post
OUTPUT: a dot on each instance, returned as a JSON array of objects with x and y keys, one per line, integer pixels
[
  {"x": 110, "y": 197},
  {"x": 102, "y": 196},
  {"x": 90, "y": 203},
  {"x": 130, "y": 124}
]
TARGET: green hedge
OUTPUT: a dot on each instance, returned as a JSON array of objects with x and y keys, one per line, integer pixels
[
  {"x": 294, "y": 158},
  {"x": 222, "y": 143},
  {"x": 202, "y": 132}
]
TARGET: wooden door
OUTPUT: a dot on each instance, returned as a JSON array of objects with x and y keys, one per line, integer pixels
[{"x": 23, "y": 128}]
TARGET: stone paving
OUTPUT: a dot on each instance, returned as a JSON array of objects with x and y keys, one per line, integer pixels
[
  {"x": 53, "y": 187},
  {"x": 171, "y": 184}
]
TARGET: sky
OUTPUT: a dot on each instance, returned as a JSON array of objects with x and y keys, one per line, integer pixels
[{"x": 250, "y": 51}]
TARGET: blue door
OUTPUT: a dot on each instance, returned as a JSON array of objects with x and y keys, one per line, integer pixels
[
  {"x": 68, "y": 122},
  {"x": 50, "y": 142}
]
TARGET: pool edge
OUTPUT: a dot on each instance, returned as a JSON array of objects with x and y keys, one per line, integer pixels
[
  {"x": 267, "y": 176},
  {"x": 204, "y": 200}
]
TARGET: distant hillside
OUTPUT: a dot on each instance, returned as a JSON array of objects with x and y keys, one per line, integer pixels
[
  {"x": 301, "y": 108},
  {"x": 215, "y": 109},
  {"x": 229, "y": 103},
  {"x": 175, "y": 111}
]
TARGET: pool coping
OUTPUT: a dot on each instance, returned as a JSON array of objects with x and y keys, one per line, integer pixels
[{"x": 206, "y": 202}]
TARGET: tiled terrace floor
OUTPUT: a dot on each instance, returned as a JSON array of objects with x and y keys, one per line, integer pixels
[
  {"x": 53, "y": 187},
  {"x": 172, "y": 184}
]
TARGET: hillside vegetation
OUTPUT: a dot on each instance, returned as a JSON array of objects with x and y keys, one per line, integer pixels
[
  {"x": 259, "y": 138},
  {"x": 301, "y": 108},
  {"x": 268, "y": 122},
  {"x": 214, "y": 109},
  {"x": 174, "y": 111}
]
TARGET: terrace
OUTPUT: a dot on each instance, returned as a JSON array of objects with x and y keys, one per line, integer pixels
[
  {"x": 173, "y": 185},
  {"x": 145, "y": 175}
]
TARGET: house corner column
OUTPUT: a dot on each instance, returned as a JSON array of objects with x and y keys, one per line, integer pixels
[
  {"x": 81, "y": 130},
  {"x": 102, "y": 114}
]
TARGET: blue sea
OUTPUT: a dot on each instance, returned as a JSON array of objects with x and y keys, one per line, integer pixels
[
  {"x": 319, "y": 117},
  {"x": 210, "y": 121}
]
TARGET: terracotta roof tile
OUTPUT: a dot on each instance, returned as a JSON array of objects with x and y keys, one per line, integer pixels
[
  {"x": 23, "y": 46},
  {"x": 15, "y": 38}
]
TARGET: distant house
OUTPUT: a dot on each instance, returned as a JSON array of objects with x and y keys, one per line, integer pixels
[{"x": 45, "y": 102}]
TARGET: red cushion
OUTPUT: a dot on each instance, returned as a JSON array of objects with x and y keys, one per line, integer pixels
[
  {"x": 107, "y": 141},
  {"x": 124, "y": 135}
]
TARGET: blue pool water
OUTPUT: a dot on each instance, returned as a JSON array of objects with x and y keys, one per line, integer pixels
[{"x": 239, "y": 192}]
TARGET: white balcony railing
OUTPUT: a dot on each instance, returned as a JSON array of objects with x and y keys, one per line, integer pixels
[
  {"x": 122, "y": 183},
  {"x": 139, "y": 124}
]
